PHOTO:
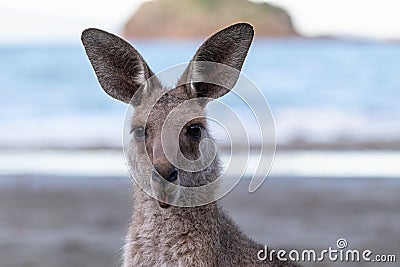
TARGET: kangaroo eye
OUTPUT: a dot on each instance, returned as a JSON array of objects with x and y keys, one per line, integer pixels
[
  {"x": 194, "y": 131},
  {"x": 139, "y": 131}
]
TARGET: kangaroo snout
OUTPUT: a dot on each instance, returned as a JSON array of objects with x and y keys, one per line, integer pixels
[
  {"x": 169, "y": 173},
  {"x": 162, "y": 187}
]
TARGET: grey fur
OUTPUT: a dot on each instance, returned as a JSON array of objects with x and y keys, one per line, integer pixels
[{"x": 175, "y": 236}]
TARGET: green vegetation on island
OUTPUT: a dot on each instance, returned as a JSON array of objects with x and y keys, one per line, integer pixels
[{"x": 181, "y": 19}]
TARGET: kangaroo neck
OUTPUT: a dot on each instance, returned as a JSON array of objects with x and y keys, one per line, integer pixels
[{"x": 147, "y": 210}]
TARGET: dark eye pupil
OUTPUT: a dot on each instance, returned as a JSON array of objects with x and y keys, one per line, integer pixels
[
  {"x": 139, "y": 131},
  {"x": 194, "y": 131}
]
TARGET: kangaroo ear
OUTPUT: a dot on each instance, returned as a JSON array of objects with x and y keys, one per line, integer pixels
[
  {"x": 227, "y": 47},
  {"x": 119, "y": 68}
]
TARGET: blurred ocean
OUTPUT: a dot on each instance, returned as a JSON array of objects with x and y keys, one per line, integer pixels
[{"x": 320, "y": 91}]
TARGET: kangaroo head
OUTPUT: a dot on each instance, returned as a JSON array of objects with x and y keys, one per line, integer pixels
[{"x": 165, "y": 121}]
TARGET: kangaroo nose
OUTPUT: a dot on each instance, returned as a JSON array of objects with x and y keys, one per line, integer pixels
[
  {"x": 170, "y": 174},
  {"x": 173, "y": 175}
]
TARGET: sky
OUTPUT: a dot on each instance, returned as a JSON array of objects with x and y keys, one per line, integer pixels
[
  {"x": 361, "y": 18},
  {"x": 60, "y": 20},
  {"x": 64, "y": 20}
]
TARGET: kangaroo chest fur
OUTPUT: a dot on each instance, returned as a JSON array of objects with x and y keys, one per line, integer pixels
[
  {"x": 173, "y": 236},
  {"x": 195, "y": 236}
]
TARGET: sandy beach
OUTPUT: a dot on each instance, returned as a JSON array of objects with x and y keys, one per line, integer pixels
[{"x": 69, "y": 221}]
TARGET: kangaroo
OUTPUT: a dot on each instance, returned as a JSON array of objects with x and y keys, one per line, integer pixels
[{"x": 161, "y": 233}]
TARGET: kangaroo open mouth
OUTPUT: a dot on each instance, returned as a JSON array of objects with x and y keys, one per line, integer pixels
[{"x": 163, "y": 205}]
